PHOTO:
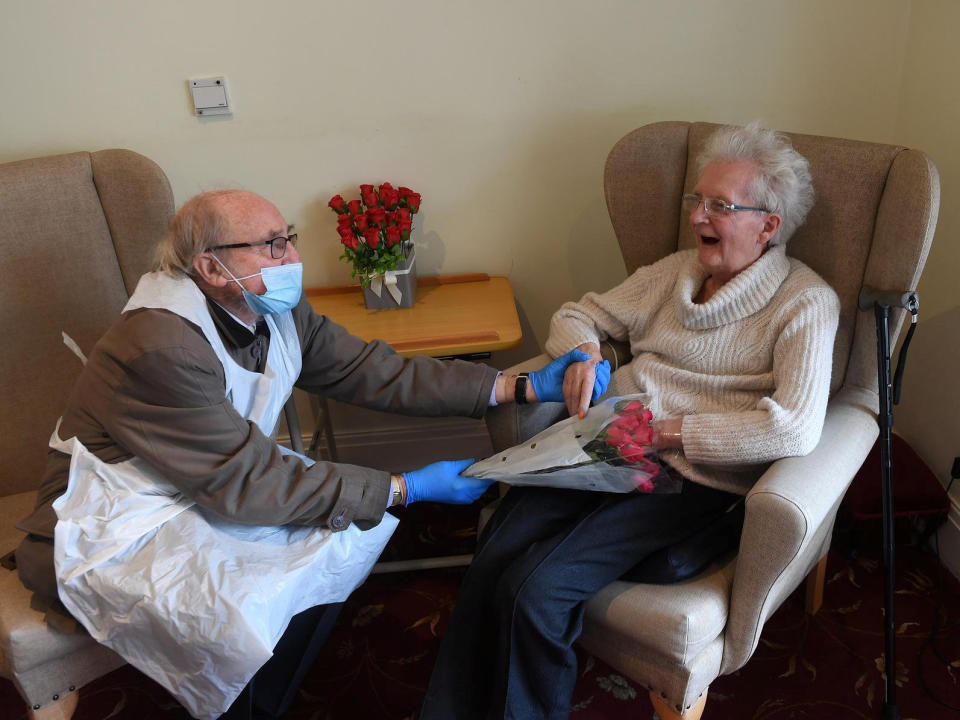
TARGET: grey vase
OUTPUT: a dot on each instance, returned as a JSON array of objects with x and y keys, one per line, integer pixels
[{"x": 406, "y": 283}]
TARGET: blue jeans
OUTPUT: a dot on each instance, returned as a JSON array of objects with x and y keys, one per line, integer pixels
[{"x": 545, "y": 553}]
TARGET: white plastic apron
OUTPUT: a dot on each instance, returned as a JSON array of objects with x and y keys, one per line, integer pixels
[{"x": 193, "y": 601}]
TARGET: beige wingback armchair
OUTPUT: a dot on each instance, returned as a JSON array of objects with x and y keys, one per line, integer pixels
[
  {"x": 76, "y": 232},
  {"x": 872, "y": 224}
]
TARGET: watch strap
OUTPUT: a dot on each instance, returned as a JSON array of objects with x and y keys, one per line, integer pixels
[{"x": 520, "y": 389}]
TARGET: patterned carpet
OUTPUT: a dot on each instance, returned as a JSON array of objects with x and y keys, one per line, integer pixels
[{"x": 826, "y": 667}]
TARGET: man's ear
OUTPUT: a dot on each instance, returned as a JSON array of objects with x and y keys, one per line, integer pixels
[
  {"x": 771, "y": 224},
  {"x": 209, "y": 270}
]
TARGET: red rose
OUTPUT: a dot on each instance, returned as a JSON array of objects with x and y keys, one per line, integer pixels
[
  {"x": 369, "y": 198},
  {"x": 350, "y": 241},
  {"x": 362, "y": 221},
  {"x": 364, "y": 189},
  {"x": 386, "y": 186},
  {"x": 393, "y": 235},
  {"x": 345, "y": 231},
  {"x": 354, "y": 207},
  {"x": 644, "y": 484},
  {"x": 377, "y": 215},
  {"x": 404, "y": 191},
  {"x": 404, "y": 213},
  {"x": 344, "y": 220},
  {"x": 631, "y": 453},
  {"x": 391, "y": 218},
  {"x": 413, "y": 202},
  {"x": 371, "y": 236},
  {"x": 616, "y": 436},
  {"x": 389, "y": 198},
  {"x": 336, "y": 203}
]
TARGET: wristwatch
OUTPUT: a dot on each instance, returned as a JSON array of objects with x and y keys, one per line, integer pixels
[
  {"x": 520, "y": 389},
  {"x": 396, "y": 490}
]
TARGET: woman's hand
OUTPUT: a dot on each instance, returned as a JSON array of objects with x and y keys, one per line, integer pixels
[
  {"x": 585, "y": 381},
  {"x": 668, "y": 434}
]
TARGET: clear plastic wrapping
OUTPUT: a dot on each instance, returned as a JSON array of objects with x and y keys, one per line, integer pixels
[{"x": 609, "y": 450}]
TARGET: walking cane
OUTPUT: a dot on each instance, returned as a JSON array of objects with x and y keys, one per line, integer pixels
[{"x": 881, "y": 302}]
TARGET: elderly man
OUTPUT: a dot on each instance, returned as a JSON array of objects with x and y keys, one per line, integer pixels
[{"x": 170, "y": 523}]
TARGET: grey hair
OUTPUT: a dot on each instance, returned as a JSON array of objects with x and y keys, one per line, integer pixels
[
  {"x": 198, "y": 226},
  {"x": 782, "y": 184}
]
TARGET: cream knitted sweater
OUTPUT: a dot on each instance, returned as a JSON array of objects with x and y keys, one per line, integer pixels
[{"x": 748, "y": 371}]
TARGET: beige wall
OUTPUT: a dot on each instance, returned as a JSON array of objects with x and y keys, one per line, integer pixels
[
  {"x": 929, "y": 118},
  {"x": 500, "y": 112}
]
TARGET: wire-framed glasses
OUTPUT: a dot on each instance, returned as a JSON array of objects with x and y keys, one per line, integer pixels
[
  {"x": 715, "y": 207},
  {"x": 278, "y": 245}
]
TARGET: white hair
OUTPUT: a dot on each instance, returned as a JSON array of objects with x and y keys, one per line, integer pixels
[
  {"x": 198, "y": 226},
  {"x": 782, "y": 183}
]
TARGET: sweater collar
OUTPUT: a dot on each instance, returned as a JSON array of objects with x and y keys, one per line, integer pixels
[{"x": 748, "y": 292}]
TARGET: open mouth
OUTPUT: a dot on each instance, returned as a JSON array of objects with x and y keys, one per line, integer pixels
[{"x": 709, "y": 240}]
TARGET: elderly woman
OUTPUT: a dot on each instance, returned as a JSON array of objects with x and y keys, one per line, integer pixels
[{"x": 732, "y": 345}]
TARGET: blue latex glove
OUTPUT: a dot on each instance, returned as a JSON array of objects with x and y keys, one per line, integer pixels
[
  {"x": 548, "y": 381},
  {"x": 602, "y": 380},
  {"x": 442, "y": 482}
]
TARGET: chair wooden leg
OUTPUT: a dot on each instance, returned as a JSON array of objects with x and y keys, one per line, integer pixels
[
  {"x": 815, "y": 582},
  {"x": 667, "y": 712},
  {"x": 62, "y": 709}
]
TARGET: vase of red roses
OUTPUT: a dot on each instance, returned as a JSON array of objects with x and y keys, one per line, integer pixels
[{"x": 375, "y": 234}]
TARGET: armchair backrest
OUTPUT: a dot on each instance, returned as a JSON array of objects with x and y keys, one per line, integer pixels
[
  {"x": 872, "y": 223},
  {"x": 76, "y": 233}
]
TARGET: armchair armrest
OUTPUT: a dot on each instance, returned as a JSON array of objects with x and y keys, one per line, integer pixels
[
  {"x": 616, "y": 352},
  {"x": 789, "y": 519}
]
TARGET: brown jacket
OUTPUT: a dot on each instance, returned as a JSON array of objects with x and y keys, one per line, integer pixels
[{"x": 154, "y": 388}]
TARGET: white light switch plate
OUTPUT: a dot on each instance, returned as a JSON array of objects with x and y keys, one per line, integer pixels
[{"x": 210, "y": 96}]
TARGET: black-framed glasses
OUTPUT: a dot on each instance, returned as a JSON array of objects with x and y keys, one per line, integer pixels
[
  {"x": 715, "y": 207},
  {"x": 278, "y": 245}
]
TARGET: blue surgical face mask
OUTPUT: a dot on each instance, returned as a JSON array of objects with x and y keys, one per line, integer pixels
[{"x": 284, "y": 285}]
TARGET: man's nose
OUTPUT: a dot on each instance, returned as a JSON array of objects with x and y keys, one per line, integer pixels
[{"x": 291, "y": 255}]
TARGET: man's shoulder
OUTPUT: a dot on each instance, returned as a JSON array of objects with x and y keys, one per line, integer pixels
[{"x": 152, "y": 330}]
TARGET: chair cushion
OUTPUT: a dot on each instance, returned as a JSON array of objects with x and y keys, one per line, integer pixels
[
  {"x": 41, "y": 661},
  {"x": 25, "y": 639},
  {"x": 676, "y": 622}
]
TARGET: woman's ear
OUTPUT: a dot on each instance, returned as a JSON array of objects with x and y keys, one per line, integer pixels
[
  {"x": 209, "y": 270},
  {"x": 771, "y": 224}
]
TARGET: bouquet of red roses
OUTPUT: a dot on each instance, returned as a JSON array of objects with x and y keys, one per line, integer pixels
[
  {"x": 610, "y": 450},
  {"x": 375, "y": 230}
]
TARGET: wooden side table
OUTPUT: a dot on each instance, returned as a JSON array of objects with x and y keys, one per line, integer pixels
[{"x": 453, "y": 315}]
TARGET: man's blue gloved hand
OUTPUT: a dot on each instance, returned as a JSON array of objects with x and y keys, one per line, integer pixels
[
  {"x": 548, "y": 381},
  {"x": 602, "y": 380},
  {"x": 442, "y": 482}
]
